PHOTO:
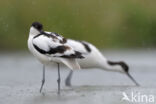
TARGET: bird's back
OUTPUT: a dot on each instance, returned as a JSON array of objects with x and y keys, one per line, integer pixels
[{"x": 93, "y": 57}]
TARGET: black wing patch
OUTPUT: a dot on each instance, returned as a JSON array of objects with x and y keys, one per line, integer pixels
[
  {"x": 63, "y": 41},
  {"x": 86, "y": 46},
  {"x": 76, "y": 55},
  {"x": 37, "y": 36},
  {"x": 59, "y": 49},
  {"x": 39, "y": 50},
  {"x": 45, "y": 34}
]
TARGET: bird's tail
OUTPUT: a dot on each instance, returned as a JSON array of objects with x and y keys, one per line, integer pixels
[{"x": 71, "y": 63}]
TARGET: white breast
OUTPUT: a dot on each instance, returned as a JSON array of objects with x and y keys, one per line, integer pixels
[{"x": 42, "y": 58}]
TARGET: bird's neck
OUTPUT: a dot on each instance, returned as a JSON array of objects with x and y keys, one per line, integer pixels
[
  {"x": 112, "y": 66},
  {"x": 33, "y": 31}
]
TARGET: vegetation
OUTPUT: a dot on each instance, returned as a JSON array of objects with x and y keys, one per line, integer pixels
[{"x": 105, "y": 23}]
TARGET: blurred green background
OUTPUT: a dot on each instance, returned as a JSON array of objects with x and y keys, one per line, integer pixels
[{"x": 105, "y": 23}]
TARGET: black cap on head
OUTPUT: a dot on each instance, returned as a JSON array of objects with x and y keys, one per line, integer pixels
[
  {"x": 121, "y": 63},
  {"x": 124, "y": 66},
  {"x": 37, "y": 25}
]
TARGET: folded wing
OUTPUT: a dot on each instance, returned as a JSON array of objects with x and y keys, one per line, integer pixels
[{"x": 52, "y": 47}]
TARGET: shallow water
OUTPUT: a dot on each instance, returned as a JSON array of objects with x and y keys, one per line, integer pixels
[{"x": 20, "y": 79}]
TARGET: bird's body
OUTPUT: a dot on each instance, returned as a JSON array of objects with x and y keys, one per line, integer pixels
[
  {"x": 50, "y": 48},
  {"x": 42, "y": 58},
  {"x": 88, "y": 51},
  {"x": 95, "y": 59}
]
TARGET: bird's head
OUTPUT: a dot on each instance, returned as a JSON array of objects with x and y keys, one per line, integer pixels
[
  {"x": 123, "y": 69},
  {"x": 36, "y": 28},
  {"x": 119, "y": 66},
  {"x": 124, "y": 66}
]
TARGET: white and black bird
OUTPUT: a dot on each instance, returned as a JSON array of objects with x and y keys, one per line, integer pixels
[
  {"x": 95, "y": 59},
  {"x": 50, "y": 48}
]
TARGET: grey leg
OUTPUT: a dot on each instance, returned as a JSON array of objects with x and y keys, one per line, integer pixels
[
  {"x": 59, "y": 79},
  {"x": 43, "y": 79},
  {"x": 68, "y": 79}
]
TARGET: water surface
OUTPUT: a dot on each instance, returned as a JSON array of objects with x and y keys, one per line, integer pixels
[{"x": 20, "y": 79}]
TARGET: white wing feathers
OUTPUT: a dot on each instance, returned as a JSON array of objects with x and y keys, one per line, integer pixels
[
  {"x": 78, "y": 46},
  {"x": 71, "y": 63},
  {"x": 52, "y": 47}
]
